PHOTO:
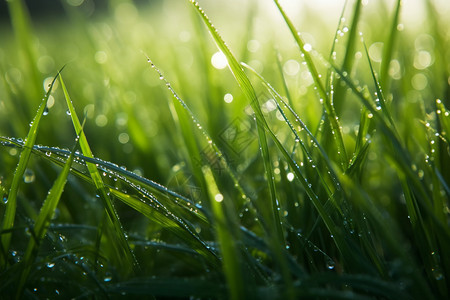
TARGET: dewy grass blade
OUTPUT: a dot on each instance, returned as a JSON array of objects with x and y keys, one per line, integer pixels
[
  {"x": 380, "y": 102},
  {"x": 123, "y": 247},
  {"x": 349, "y": 57},
  {"x": 11, "y": 205},
  {"x": 249, "y": 92},
  {"x": 400, "y": 156},
  {"x": 189, "y": 137},
  {"x": 171, "y": 222},
  {"x": 278, "y": 98},
  {"x": 103, "y": 165},
  {"x": 43, "y": 221},
  {"x": 330, "y": 111}
]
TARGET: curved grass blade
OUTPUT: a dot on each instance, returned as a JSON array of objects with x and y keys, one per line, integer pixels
[
  {"x": 332, "y": 117},
  {"x": 249, "y": 92},
  {"x": 133, "y": 180},
  {"x": 390, "y": 234},
  {"x": 349, "y": 57},
  {"x": 11, "y": 205},
  {"x": 219, "y": 154},
  {"x": 380, "y": 102},
  {"x": 43, "y": 221},
  {"x": 125, "y": 254},
  {"x": 278, "y": 98},
  {"x": 164, "y": 216},
  {"x": 400, "y": 156},
  {"x": 44, "y": 152},
  {"x": 170, "y": 222}
]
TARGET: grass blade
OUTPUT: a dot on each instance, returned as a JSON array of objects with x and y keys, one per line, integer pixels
[
  {"x": 249, "y": 92},
  {"x": 227, "y": 242},
  {"x": 11, "y": 205},
  {"x": 21, "y": 24},
  {"x": 330, "y": 111},
  {"x": 126, "y": 256},
  {"x": 43, "y": 221},
  {"x": 388, "y": 48}
]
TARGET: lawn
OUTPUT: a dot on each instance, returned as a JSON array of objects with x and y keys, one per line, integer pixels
[{"x": 225, "y": 149}]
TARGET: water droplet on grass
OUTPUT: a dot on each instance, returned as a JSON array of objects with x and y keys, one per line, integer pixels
[
  {"x": 50, "y": 265},
  {"x": 28, "y": 176},
  {"x": 330, "y": 265},
  {"x": 68, "y": 112}
]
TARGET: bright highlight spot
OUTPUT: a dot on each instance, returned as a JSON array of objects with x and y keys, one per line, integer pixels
[
  {"x": 101, "y": 120},
  {"x": 47, "y": 82},
  {"x": 291, "y": 67},
  {"x": 218, "y": 197},
  {"x": 123, "y": 138},
  {"x": 219, "y": 61},
  {"x": 290, "y": 176},
  {"x": 307, "y": 47},
  {"x": 269, "y": 106},
  {"x": 50, "y": 101},
  {"x": 253, "y": 45},
  {"x": 376, "y": 51},
  {"x": 422, "y": 60},
  {"x": 228, "y": 98},
  {"x": 419, "y": 82}
]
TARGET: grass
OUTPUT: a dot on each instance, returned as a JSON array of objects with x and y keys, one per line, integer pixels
[{"x": 323, "y": 175}]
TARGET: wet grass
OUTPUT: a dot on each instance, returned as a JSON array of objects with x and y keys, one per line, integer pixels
[{"x": 314, "y": 166}]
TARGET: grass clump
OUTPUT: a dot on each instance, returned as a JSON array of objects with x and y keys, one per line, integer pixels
[{"x": 315, "y": 167}]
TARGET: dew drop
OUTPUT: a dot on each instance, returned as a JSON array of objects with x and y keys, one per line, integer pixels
[
  {"x": 68, "y": 112},
  {"x": 330, "y": 265},
  {"x": 28, "y": 176},
  {"x": 50, "y": 265},
  {"x": 46, "y": 110}
]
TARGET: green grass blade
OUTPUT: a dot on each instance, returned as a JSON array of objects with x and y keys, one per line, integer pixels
[
  {"x": 21, "y": 24},
  {"x": 11, "y": 205},
  {"x": 190, "y": 139},
  {"x": 330, "y": 111},
  {"x": 43, "y": 221},
  {"x": 126, "y": 255},
  {"x": 250, "y": 94},
  {"x": 227, "y": 242},
  {"x": 278, "y": 99},
  {"x": 247, "y": 89},
  {"x": 380, "y": 102},
  {"x": 388, "y": 48},
  {"x": 349, "y": 56},
  {"x": 171, "y": 222}
]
